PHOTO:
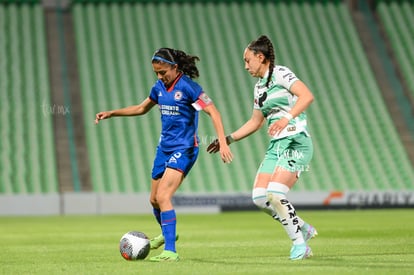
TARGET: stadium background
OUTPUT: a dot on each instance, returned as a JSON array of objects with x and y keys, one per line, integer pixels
[{"x": 63, "y": 61}]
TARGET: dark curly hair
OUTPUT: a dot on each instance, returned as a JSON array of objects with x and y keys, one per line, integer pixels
[
  {"x": 265, "y": 46},
  {"x": 185, "y": 62}
]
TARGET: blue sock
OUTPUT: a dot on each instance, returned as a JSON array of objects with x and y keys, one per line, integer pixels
[
  {"x": 157, "y": 214},
  {"x": 168, "y": 224}
]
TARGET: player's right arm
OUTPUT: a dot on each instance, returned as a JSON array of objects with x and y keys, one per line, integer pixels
[
  {"x": 252, "y": 125},
  {"x": 134, "y": 110}
]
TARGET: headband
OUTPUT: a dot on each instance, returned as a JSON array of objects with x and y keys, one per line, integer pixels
[{"x": 155, "y": 57}]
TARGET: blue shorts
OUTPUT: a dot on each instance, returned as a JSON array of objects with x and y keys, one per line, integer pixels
[{"x": 181, "y": 160}]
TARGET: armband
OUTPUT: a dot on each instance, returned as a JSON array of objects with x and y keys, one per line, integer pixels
[{"x": 202, "y": 102}]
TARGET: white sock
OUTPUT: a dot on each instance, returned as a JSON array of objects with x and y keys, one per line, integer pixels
[
  {"x": 300, "y": 221},
  {"x": 276, "y": 194},
  {"x": 260, "y": 200}
]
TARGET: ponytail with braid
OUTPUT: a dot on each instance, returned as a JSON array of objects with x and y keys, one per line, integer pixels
[
  {"x": 185, "y": 62},
  {"x": 265, "y": 46}
]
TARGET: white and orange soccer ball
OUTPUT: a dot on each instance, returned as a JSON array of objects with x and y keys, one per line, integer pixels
[{"x": 134, "y": 245}]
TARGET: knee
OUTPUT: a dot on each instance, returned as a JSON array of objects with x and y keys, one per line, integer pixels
[
  {"x": 153, "y": 200},
  {"x": 161, "y": 198}
]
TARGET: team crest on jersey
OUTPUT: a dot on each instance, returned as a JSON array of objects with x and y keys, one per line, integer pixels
[{"x": 178, "y": 95}]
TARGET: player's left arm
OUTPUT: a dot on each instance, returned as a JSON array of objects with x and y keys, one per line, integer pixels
[
  {"x": 225, "y": 152},
  {"x": 305, "y": 98}
]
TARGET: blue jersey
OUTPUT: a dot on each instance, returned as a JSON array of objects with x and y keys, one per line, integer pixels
[{"x": 179, "y": 118}]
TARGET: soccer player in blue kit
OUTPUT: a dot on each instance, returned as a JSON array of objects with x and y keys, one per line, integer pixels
[{"x": 179, "y": 99}]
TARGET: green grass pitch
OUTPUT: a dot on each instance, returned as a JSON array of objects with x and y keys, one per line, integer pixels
[{"x": 349, "y": 242}]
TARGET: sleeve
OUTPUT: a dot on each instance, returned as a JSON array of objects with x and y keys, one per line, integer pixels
[
  {"x": 153, "y": 94},
  {"x": 285, "y": 77},
  {"x": 199, "y": 97}
]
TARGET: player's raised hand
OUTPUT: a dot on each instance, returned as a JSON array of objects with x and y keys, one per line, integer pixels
[{"x": 102, "y": 115}]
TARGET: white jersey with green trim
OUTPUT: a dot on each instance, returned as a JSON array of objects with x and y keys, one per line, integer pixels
[{"x": 276, "y": 100}]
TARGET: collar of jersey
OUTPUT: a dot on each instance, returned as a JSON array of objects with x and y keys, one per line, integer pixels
[{"x": 175, "y": 82}]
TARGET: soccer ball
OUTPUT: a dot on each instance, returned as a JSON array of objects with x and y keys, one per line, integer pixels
[{"x": 134, "y": 245}]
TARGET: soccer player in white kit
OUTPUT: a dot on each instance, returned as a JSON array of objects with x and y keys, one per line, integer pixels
[{"x": 280, "y": 98}]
